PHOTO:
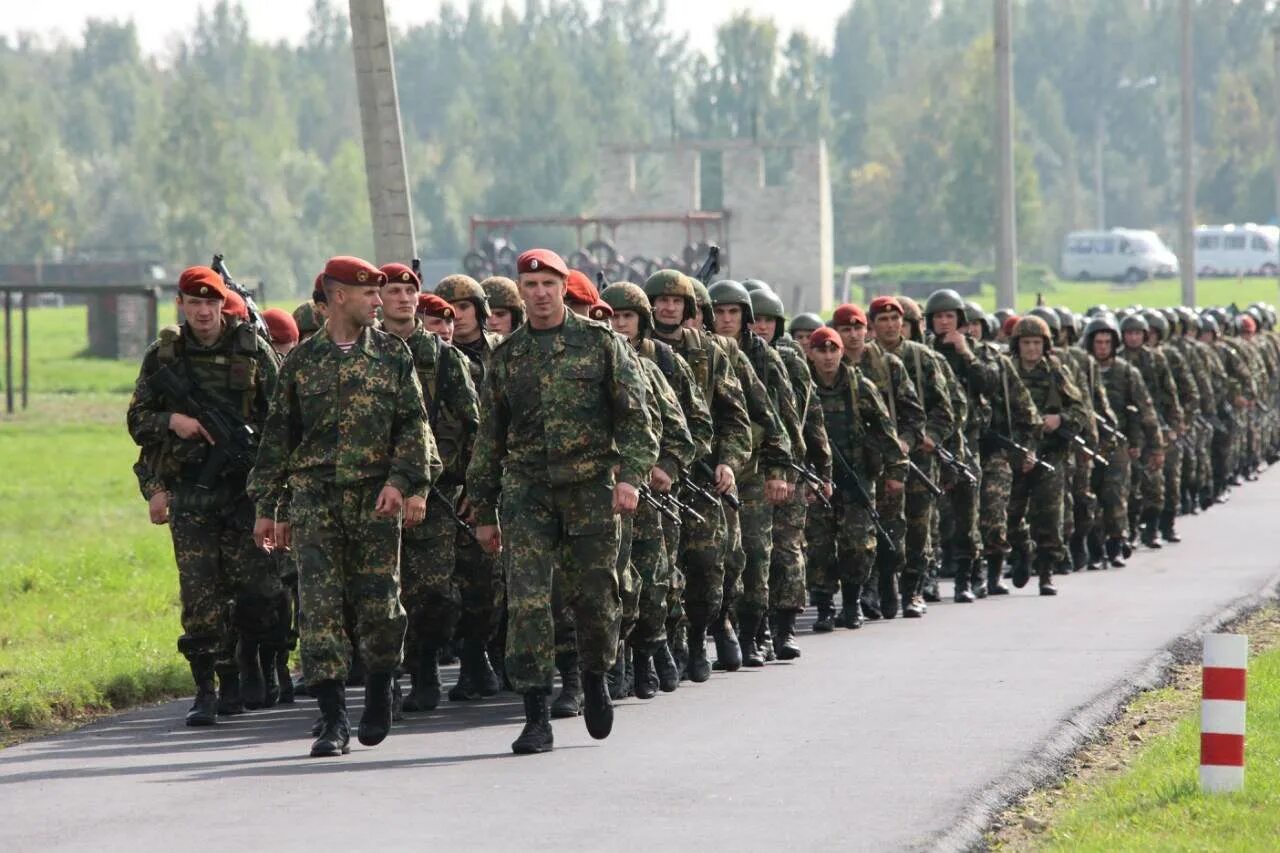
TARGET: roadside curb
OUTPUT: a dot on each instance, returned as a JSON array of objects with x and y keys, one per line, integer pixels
[{"x": 1045, "y": 763}]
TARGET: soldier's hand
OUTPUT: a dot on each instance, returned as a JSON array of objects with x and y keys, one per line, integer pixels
[
  {"x": 415, "y": 509},
  {"x": 390, "y": 502},
  {"x": 490, "y": 538},
  {"x": 1052, "y": 422},
  {"x": 467, "y": 511},
  {"x": 1241, "y": 402},
  {"x": 827, "y": 489},
  {"x": 775, "y": 491},
  {"x": 926, "y": 444},
  {"x": 893, "y": 487},
  {"x": 906, "y": 448},
  {"x": 1135, "y": 452},
  {"x": 626, "y": 498},
  {"x": 264, "y": 533},
  {"x": 1028, "y": 462},
  {"x": 284, "y": 535},
  {"x": 659, "y": 480},
  {"x": 188, "y": 427},
  {"x": 956, "y": 339},
  {"x": 725, "y": 480},
  {"x": 158, "y": 508},
  {"x": 1157, "y": 460}
]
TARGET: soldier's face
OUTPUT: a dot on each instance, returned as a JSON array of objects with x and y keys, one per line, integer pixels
[
  {"x": 500, "y": 321},
  {"x": 543, "y": 295},
  {"x": 1103, "y": 347},
  {"x": 888, "y": 327},
  {"x": 399, "y": 301},
  {"x": 975, "y": 331},
  {"x": 1031, "y": 350},
  {"x": 944, "y": 323},
  {"x": 1207, "y": 337},
  {"x": 441, "y": 326},
  {"x": 728, "y": 320},
  {"x": 204, "y": 316},
  {"x": 1135, "y": 338},
  {"x": 826, "y": 360},
  {"x": 854, "y": 336},
  {"x": 765, "y": 327},
  {"x": 669, "y": 310},
  {"x": 358, "y": 305},
  {"x": 626, "y": 323},
  {"x": 465, "y": 324},
  {"x": 802, "y": 338}
]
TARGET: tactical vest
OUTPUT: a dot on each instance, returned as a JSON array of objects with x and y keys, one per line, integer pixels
[{"x": 228, "y": 376}]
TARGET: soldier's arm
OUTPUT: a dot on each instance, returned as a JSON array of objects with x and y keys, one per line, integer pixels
[
  {"x": 696, "y": 414},
  {"x": 268, "y": 376},
  {"x": 459, "y": 398},
  {"x": 940, "y": 417},
  {"x": 785, "y": 400},
  {"x": 956, "y": 394},
  {"x": 1074, "y": 412},
  {"x": 1027, "y": 424},
  {"x": 485, "y": 471},
  {"x": 633, "y": 435},
  {"x": 817, "y": 446},
  {"x": 676, "y": 450},
  {"x": 911, "y": 418},
  {"x": 879, "y": 430},
  {"x": 1172, "y": 410},
  {"x": 146, "y": 417},
  {"x": 732, "y": 421},
  {"x": 1152, "y": 439},
  {"x": 266, "y": 482},
  {"x": 1101, "y": 403},
  {"x": 775, "y": 449},
  {"x": 415, "y": 461}
]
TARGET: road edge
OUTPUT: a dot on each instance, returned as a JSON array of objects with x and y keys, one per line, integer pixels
[{"x": 1045, "y": 763}]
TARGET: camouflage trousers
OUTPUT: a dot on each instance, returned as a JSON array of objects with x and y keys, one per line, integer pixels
[
  {"x": 701, "y": 549},
  {"x": 1146, "y": 494},
  {"x": 841, "y": 551},
  {"x": 348, "y": 569},
  {"x": 1112, "y": 486},
  {"x": 958, "y": 516},
  {"x": 1172, "y": 478},
  {"x": 481, "y": 589},
  {"x": 1080, "y": 503},
  {"x": 227, "y": 586},
  {"x": 652, "y": 577},
  {"x": 920, "y": 504},
  {"x": 755, "y": 521},
  {"x": 787, "y": 562},
  {"x": 1037, "y": 497},
  {"x": 428, "y": 587},
  {"x": 558, "y": 541},
  {"x": 993, "y": 517},
  {"x": 892, "y": 509}
]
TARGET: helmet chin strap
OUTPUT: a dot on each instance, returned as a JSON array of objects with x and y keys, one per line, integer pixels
[{"x": 665, "y": 328}]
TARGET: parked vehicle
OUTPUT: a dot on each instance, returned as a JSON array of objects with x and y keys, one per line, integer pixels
[
  {"x": 1121, "y": 254},
  {"x": 1247, "y": 249}
]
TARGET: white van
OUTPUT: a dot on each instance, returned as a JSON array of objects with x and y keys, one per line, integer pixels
[
  {"x": 1237, "y": 249},
  {"x": 1121, "y": 254}
]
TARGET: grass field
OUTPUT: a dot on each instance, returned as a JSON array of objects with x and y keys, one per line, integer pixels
[
  {"x": 1081, "y": 295},
  {"x": 1157, "y": 804}
]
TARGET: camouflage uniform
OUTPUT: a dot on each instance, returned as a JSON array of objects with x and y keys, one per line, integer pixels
[
  {"x": 1189, "y": 401},
  {"x": 1156, "y": 375},
  {"x": 560, "y": 408},
  {"x": 342, "y": 427}
]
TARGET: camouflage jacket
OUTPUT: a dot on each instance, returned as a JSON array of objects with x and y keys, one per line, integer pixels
[
  {"x": 675, "y": 370},
  {"x": 925, "y": 370},
  {"x": 561, "y": 406},
  {"x": 453, "y": 406},
  {"x": 1160, "y": 383},
  {"x": 1188, "y": 390},
  {"x": 1131, "y": 401},
  {"x": 723, "y": 393},
  {"x": 1195, "y": 355},
  {"x": 859, "y": 426},
  {"x": 675, "y": 444},
  {"x": 1013, "y": 414},
  {"x": 478, "y": 352},
  {"x": 1054, "y": 393},
  {"x": 889, "y": 375},
  {"x": 770, "y": 447},
  {"x": 977, "y": 378},
  {"x": 817, "y": 453}
]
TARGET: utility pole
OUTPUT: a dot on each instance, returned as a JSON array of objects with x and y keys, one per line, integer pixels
[
  {"x": 384, "y": 162},
  {"x": 1006, "y": 215},
  {"x": 1099, "y": 181},
  {"x": 1186, "y": 245},
  {"x": 1275, "y": 36}
]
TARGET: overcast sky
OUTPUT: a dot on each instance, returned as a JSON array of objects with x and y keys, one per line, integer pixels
[{"x": 272, "y": 20}]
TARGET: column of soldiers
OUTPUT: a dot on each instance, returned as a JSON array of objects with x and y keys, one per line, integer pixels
[{"x": 396, "y": 477}]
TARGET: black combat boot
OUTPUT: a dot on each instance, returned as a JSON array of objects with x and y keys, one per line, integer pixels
[
  {"x": 752, "y": 655},
  {"x": 678, "y": 645},
  {"x": 1044, "y": 571},
  {"x": 375, "y": 722},
  {"x": 597, "y": 710},
  {"x": 764, "y": 637},
  {"x": 465, "y": 689},
  {"x": 229, "y": 701},
  {"x": 826, "y": 621},
  {"x": 1150, "y": 529},
  {"x": 424, "y": 690},
  {"x": 270, "y": 678},
  {"x": 728, "y": 648},
  {"x": 568, "y": 702},
  {"x": 484, "y": 677},
  {"x": 646, "y": 680},
  {"x": 1115, "y": 548},
  {"x": 1166, "y": 528},
  {"x": 929, "y": 590},
  {"x": 977, "y": 578},
  {"x": 284, "y": 676},
  {"x": 963, "y": 594},
  {"x": 253, "y": 690},
  {"x": 666, "y": 668},
  {"x": 616, "y": 677},
  {"x": 785, "y": 645},
  {"x": 355, "y": 672},
  {"x": 995, "y": 575},
  {"x": 536, "y": 735},
  {"x": 912, "y": 602},
  {"x": 1079, "y": 553},
  {"x": 851, "y": 613},
  {"x": 887, "y": 586},
  {"x": 1096, "y": 549},
  {"x": 699, "y": 667},
  {"x": 1020, "y": 571},
  {"x": 204, "y": 710},
  {"x": 334, "y": 735},
  {"x": 871, "y": 605}
]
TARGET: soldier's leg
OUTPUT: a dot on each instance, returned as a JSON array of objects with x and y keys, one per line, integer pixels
[
  {"x": 259, "y": 602},
  {"x": 1113, "y": 496},
  {"x": 1152, "y": 480},
  {"x": 1084, "y": 513},
  {"x": 372, "y": 579},
  {"x": 326, "y": 651},
  {"x": 970, "y": 577},
  {"x": 756, "y": 523},
  {"x": 787, "y": 571},
  {"x": 431, "y": 598},
  {"x": 820, "y": 563},
  {"x": 1018, "y": 531},
  {"x": 855, "y": 550},
  {"x": 993, "y": 515},
  {"x": 1044, "y": 516},
  {"x": 1172, "y": 492},
  {"x": 531, "y": 541},
  {"x": 701, "y": 546},
  {"x": 205, "y": 614},
  {"x": 648, "y": 639},
  {"x": 919, "y": 507},
  {"x": 482, "y": 593},
  {"x": 890, "y": 562}
]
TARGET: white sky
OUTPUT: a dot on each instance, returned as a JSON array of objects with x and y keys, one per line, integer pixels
[{"x": 272, "y": 20}]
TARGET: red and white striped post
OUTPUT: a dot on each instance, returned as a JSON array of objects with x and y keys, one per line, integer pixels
[{"x": 1222, "y": 693}]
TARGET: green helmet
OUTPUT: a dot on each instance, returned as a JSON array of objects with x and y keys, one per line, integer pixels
[
  {"x": 1069, "y": 321},
  {"x": 948, "y": 300},
  {"x": 766, "y": 303},
  {"x": 1031, "y": 326},
  {"x": 305, "y": 316},
  {"x": 806, "y": 323},
  {"x": 1208, "y": 323},
  {"x": 973, "y": 313},
  {"x": 1157, "y": 323},
  {"x": 460, "y": 288},
  {"x": 1049, "y": 316},
  {"x": 502, "y": 293},
  {"x": 670, "y": 282},
  {"x": 754, "y": 284},
  {"x": 1135, "y": 322},
  {"x": 1103, "y": 322},
  {"x": 726, "y": 291},
  {"x": 625, "y": 296}
]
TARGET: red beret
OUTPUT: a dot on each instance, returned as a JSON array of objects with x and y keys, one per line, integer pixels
[
  {"x": 1248, "y": 324},
  {"x": 849, "y": 315},
  {"x": 600, "y": 311},
  {"x": 234, "y": 306},
  {"x": 580, "y": 289},
  {"x": 1009, "y": 322},
  {"x": 202, "y": 283},
  {"x": 434, "y": 306},
  {"x": 826, "y": 335},
  {"x": 345, "y": 269},
  {"x": 283, "y": 328},
  {"x": 397, "y": 272},
  {"x": 885, "y": 303},
  {"x": 317, "y": 290},
  {"x": 542, "y": 259}
]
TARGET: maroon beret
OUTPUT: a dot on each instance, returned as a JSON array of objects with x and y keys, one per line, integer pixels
[
  {"x": 536, "y": 260},
  {"x": 434, "y": 306},
  {"x": 345, "y": 269},
  {"x": 202, "y": 283},
  {"x": 283, "y": 328},
  {"x": 397, "y": 272}
]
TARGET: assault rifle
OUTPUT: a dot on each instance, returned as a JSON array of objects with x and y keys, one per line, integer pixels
[
  {"x": 847, "y": 481},
  {"x": 946, "y": 457},
  {"x": 680, "y": 506},
  {"x": 914, "y": 470},
  {"x": 235, "y": 444},
  {"x": 649, "y": 498},
  {"x": 813, "y": 480},
  {"x": 710, "y": 267},
  {"x": 1075, "y": 439},
  {"x": 705, "y": 470},
  {"x": 255, "y": 316},
  {"x": 1009, "y": 444},
  {"x": 458, "y": 521}
]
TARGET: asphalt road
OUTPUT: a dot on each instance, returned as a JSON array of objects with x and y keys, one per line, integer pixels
[{"x": 883, "y": 738}]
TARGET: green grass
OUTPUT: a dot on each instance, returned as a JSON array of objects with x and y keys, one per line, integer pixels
[
  {"x": 1157, "y": 804},
  {"x": 58, "y": 336}
]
